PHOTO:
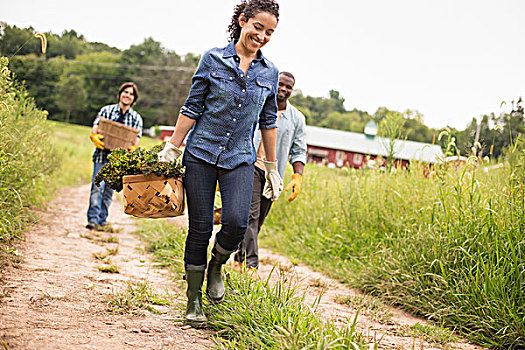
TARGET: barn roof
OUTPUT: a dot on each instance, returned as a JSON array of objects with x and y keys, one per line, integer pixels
[{"x": 373, "y": 145}]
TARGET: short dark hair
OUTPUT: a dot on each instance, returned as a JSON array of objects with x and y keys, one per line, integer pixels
[
  {"x": 288, "y": 74},
  {"x": 250, "y": 8},
  {"x": 127, "y": 85}
]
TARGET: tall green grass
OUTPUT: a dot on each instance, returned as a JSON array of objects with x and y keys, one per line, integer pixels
[
  {"x": 448, "y": 245},
  {"x": 27, "y": 157},
  {"x": 37, "y": 156},
  {"x": 254, "y": 314}
]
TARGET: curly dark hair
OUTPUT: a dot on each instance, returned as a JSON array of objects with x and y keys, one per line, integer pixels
[{"x": 250, "y": 8}]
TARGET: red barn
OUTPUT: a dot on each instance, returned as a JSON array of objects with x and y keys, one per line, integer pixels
[{"x": 337, "y": 148}]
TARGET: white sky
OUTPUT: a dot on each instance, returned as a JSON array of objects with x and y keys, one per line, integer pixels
[{"x": 450, "y": 59}]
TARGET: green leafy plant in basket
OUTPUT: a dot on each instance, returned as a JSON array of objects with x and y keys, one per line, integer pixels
[{"x": 140, "y": 161}]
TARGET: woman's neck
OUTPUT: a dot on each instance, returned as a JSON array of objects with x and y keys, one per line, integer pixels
[{"x": 244, "y": 53}]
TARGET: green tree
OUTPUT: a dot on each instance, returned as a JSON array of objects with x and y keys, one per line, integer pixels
[
  {"x": 40, "y": 78},
  {"x": 103, "y": 74},
  {"x": 69, "y": 45},
  {"x": 18, "y": 40},
  {"x": 71, "y": 97}
]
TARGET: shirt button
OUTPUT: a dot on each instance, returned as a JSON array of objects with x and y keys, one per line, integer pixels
[
  {"x": 243, "y": 90},
  {"x": 231, "y": 78},
  {"x": 248, "y": 76},
  {"x": 234, "y": 119},
  {"x": 227, "y": 134},
  {"x": 242, "y": 75},
  {"x": 240, "y": 105}
]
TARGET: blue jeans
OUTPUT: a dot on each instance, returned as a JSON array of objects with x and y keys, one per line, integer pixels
[
  {"x": 200, "y": 181},
  {"x": 99, "y": 199}
]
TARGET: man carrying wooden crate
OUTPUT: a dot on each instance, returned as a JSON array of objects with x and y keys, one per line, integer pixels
[
  {"x": 101, "y": 196},
  {"x": 291, "y": 146}
]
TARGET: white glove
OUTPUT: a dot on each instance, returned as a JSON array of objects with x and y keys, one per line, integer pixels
[
  {"x": 274, "y": 184},
  {"x": 170, "y": 153}
]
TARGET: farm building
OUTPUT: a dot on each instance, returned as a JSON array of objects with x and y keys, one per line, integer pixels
[{"x": 338, "y": 148}]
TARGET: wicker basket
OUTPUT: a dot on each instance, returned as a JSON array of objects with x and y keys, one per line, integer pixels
[
  {"x": 116, "y": 134},
  {"x": 152, "y": 196}
]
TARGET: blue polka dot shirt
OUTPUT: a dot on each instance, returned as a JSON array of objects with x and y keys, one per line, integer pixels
[{"x": 227, "y": 105}]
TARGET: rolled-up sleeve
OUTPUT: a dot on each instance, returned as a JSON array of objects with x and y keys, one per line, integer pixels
[
  {"x": 194, "y": 105},
  {"x": 268, "y": 116},
  {"x": 298, "y": 150}
]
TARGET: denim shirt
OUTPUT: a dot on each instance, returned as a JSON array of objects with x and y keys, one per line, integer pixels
[
  {"x": 291, "y": 138},
  {"x": 227, "y": 105}
]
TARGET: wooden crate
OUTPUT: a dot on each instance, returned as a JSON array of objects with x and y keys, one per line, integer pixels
[
  {"x": 152, "y": 196},
  {"x": 116, "y": 134}
]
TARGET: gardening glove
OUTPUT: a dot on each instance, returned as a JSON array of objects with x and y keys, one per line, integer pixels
[
  {"x": 295, "y": 186},
  {"x": 274, "y": 184},
  {"x": 132, "y": 148},
  {"x": 170, "y": 153},
  {"x": 97, "y": 140}
]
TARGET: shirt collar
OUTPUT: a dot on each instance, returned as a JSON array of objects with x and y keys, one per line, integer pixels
[
  {"x": 229, "y": 51},
  {"x": 120, "y": 109},
  {"x": 286, "y": 111}
]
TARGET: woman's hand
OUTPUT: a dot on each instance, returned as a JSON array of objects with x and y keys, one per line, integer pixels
[
  {"x": 274, "y": 184},
  {"x": 170, "y": 153}
]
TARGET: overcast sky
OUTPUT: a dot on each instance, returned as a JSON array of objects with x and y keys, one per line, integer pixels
[{"x": 450, "y": 60}]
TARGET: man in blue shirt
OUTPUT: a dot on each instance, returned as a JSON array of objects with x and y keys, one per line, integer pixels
[
  {"x": 291, "y": 144},
  {"x": 101, "y": 196}
]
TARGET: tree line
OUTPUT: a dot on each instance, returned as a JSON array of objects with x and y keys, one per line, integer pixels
[{"x": 76, "y": 77}]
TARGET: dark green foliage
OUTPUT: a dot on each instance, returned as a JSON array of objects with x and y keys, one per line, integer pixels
[
  {"x": 140, "y": 161},
  {"x": 27, "y": 157}
]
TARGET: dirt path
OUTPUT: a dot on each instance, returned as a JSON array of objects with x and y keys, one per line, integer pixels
[{"x": 56, "y": 299}]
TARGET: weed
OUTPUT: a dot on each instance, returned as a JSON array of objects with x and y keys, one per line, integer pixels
[
  {"x": 107, "y": 253},
  {"x": 429, "y": 333},
  {"x": 137, "y": 296},
  {"x": 369, "y": 305},
  {"x": 108, "y": 269},
  {"x": 318, "y": 283}
]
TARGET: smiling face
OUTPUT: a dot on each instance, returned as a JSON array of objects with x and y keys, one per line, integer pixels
[
  {"x": 256, "y": 31},
  {"x": 127, "y": 97},
  {"x": 285, "y": 88}
]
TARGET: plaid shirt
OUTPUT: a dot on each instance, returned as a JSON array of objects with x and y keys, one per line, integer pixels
[{"x": 113, "y": 112}]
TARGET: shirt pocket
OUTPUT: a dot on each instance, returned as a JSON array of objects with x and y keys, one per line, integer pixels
[
  {"x": 222, "y": 84},
  {"x": 263, "y": 88}
]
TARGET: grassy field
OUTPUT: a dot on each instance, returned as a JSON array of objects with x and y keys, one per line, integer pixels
[
  {"x": 448, "y": 245},
  {"x": 73, "y": 144},
  {"x": 257, "y": 316},
  {"x": 254, "y": 314}
]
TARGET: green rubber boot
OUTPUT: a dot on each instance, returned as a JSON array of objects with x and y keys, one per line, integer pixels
[
  {"x": 194, "y": 314},
  {"x": 215, "y": 289}
]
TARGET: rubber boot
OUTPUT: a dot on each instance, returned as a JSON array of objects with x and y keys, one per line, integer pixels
[
  {"x": 215, "y": 285},
  {"x": 194, "y": 314}
]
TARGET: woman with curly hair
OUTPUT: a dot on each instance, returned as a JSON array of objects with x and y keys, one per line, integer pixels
[{"x": 233, "y": 90}]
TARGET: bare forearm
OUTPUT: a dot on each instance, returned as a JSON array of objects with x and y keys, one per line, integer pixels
[
  {"x": 298, "y": 168},
  {"x": 183, "y": 126},
  {"x": 269, "y": 138}
]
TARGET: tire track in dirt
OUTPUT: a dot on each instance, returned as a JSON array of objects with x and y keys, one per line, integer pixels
[{"x": 56, "y": 298}]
